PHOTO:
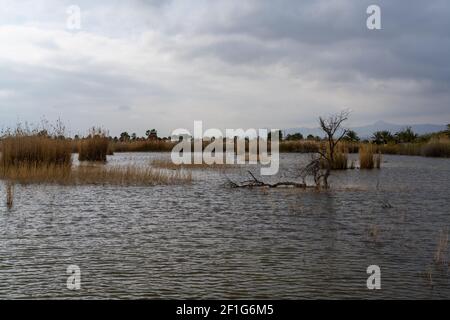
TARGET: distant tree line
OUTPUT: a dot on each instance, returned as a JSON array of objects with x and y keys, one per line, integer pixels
[
  {"x": 151, "y": 134},
  {"x": 407, "y": 135}
]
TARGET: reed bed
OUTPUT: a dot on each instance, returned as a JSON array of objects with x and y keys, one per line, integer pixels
[
  {"x": 168, "y": 164},
  {"x": 378, "y": 158},
  {"x": 339, "y": 162},
  {"x": 93, "y": 149},
  {"x": 143, "y": 146},
  {"x": 9, "y": 195},
  {"x": 93, "y": 175},
  {"x": 437, "y": 148},
  {"x": 433, "y": 148},
  {"x": 406, "y": 149},
  {"x": 299, "y": 146},
  {"x": 368, "y": 158},
  {"x": 35, "y": 150},
  {"x": 32, "y": 158}
]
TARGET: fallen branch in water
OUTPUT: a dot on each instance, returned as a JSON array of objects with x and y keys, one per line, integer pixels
[{"x": 254, "y": 183}]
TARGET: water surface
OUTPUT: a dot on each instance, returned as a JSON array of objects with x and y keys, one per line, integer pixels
[{"x": 207, "y": 240}]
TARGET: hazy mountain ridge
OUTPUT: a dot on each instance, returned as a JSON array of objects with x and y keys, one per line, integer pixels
[{"x": 368, "y": 130}]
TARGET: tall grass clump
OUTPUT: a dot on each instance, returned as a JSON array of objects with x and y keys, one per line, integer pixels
[
  {"x": 368, "y": 159},
  {"x": 26, "y": 147},
  {"x": 339, "y": 161},
  {"x": 407, "y": 149},
  {"x": 9, "y": 195},
  {"x": 303, "y": 146},
  {"x": 168, "y": 164},
  {"x": 143, "y": 146},
  {"x": 440, "y": 254},
  {"x": 439, "y": 147},
  {"x": 95, "y": 147},
  {"x": 377, "y": 159},
  {"x": 95, "y": 175}
]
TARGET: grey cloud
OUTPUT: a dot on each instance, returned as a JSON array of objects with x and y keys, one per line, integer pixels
[{"x": 228, "y": 51}]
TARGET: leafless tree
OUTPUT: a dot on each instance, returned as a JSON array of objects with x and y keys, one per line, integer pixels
[
  {"x": 334, "y": 131},
  {"x": 332, "y": 126}
]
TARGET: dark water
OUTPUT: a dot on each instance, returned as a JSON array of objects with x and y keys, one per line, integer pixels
[{"x": 206, "y": 240}]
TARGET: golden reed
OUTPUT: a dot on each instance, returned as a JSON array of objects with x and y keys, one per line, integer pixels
[{"x": 95, "y": 147}]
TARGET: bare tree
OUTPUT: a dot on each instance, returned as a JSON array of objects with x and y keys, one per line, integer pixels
[
  {"x": 332, "y": 126},
  {"x": 334, "y": 131}
]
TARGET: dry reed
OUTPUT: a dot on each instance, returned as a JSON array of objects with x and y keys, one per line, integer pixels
[
  {"x": 9, "y": 195},
  {"x": 143, "y": 146},
  {"x": 440, "y": 255},
  {"x": 304, "y": 146},
  {"x": 438, "y": 147},
  {"x": 95, "y": 147},
  {"x": 368, "y": 159},
  {"x": 168, "y": 164},
  {"x": 93, "y": 175},
  {"x": 339, "y": 160},
  {"x": 35, "y": 150}
]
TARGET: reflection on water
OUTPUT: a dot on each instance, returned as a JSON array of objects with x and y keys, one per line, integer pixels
[{"x": 206, "y": 240}]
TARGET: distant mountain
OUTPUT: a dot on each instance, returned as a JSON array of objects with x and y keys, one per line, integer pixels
[{"x": 367, "y": 131}]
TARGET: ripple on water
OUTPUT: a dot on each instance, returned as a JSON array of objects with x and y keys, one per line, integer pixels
[{"x": 208, "y": 241}]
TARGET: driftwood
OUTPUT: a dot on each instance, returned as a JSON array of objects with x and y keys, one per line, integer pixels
[
  {"x": 331, "y": 126},
  {"x": 254, "y": 183},
  {"x": 312, "y": 169}
]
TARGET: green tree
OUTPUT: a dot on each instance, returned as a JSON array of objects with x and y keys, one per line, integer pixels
[
  {"x": 382, "y": 137},
  {"x": 294, "y": 137},
  {"x": 151, "y": 132},
  {"x": 124, "y": 136},
  {"x": 351, "y": 136},
  {"x": 406, "y": 135}
]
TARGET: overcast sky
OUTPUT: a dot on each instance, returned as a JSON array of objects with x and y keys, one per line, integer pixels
[{"x": 136, "y": 65}]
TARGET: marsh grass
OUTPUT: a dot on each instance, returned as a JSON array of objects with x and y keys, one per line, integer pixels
[
  {"x": 368, "y": 159},
  {"x": 438, "y": 147},
  {"x": 340, "y": 160},
  {"x": 303, "y": 146},
  {"x": 35, "y": 150},
  {"x": 168, "y": 164},
  {"x": 93, "y": 175},
  {"x": 37, "y": 157},
  {"x": 9, "y": 195},
  {"x": 95, "y": 147},
  {"x": 143, "y": 146},
  {"x": 377, "y": 159},
  {"x": 440, "y": 255},
  {"x": 129, "y": 175}
]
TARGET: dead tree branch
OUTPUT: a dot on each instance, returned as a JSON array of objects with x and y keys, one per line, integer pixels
[{"x": 254, "y": 183}]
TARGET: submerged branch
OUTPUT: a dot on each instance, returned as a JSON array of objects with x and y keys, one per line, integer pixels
[{"x": 258, "y": 183}]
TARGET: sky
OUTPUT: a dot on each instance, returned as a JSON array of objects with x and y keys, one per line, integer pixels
[{"x": 136, "y": 65}]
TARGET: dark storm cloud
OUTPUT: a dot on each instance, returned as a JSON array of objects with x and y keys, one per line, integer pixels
[
  {"x": 228, "y": 62},
  {"x": 331, "y": 36}
]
